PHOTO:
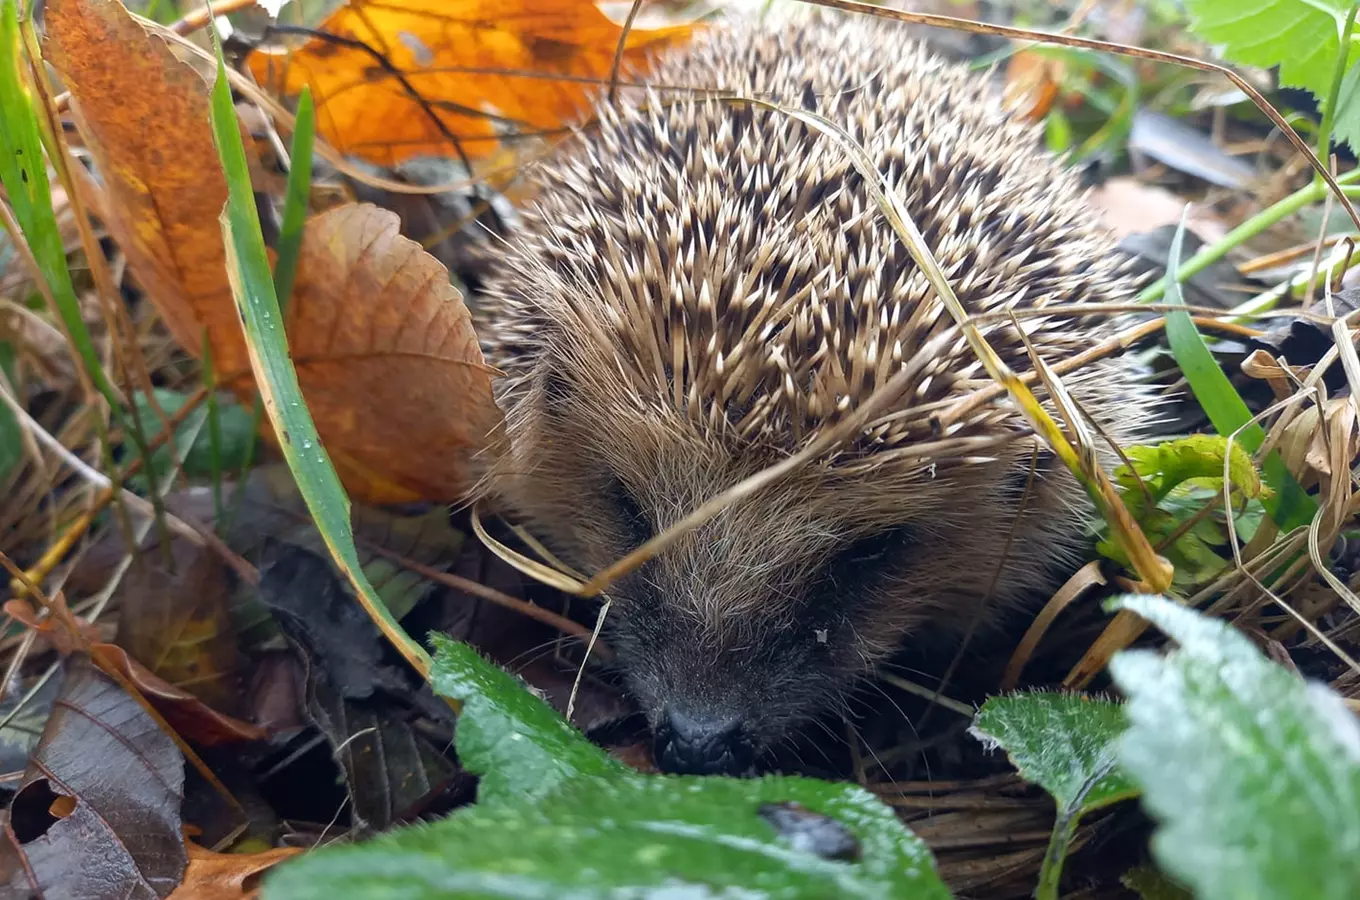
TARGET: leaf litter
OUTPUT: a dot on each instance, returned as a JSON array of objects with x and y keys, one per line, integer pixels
[{"x": 251, "y": 623}]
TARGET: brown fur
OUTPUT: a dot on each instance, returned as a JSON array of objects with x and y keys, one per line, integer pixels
[{"x": 706, "y": 285}]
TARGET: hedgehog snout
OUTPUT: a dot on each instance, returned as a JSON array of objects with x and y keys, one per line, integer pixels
[{"x": 685, "y": 743}]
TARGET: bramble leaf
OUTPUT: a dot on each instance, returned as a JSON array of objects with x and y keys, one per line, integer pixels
[
  {"x": 1060, "y": 742},
  {"x": 1252, "y": 773},
  {"x": 1302, "y": 37},
  {"x": 557, "y": 817}
]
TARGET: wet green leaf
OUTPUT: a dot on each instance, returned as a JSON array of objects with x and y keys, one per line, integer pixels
[
  {"x": 1252, "y": 773},
  {"x": 557, "y": 817}
]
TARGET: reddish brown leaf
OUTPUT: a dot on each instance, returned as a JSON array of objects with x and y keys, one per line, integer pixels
[
  {"x": 387, "y": 359},
  {"x": 144, "y": 115},
  {"x": 98, "y": 812}
]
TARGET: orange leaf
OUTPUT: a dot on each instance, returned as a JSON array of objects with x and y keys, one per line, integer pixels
[
  {"x": 1032, "y": 84},
  {"x": 226, "y": 876},
  {"x": 482, "y": 67},
  {"x": 387, "y": 359},
  {"x": 145, "y": 117}
]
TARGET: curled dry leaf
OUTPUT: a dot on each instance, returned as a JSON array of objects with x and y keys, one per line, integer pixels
[
  {"x": 98, "y": 812},
  {"x": 387, "y": 359},
  {"x": 480, "y": 67},
  {"x": 144, "y": 115}
]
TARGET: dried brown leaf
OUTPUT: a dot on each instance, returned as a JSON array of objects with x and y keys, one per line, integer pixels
[
  {"x": 387, "y": 359},
  {"x": 144, "y": 115},
  {"x": 98, "y": 812}
]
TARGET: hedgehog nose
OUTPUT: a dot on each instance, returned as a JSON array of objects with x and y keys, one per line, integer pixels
[{"x": 701, "y": 745}]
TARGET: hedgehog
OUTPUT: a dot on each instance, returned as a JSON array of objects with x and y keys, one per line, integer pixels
[{"x": 704, "y": 286}]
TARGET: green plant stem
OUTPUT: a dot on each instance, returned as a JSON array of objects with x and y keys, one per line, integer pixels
[
  {"x": 214, "y": 427},
  {"x": 1324, "y": 144},
  {"x": 1064, "y": 829},
  {"x": 1050, "y": 873},
  {"x": 1312, "y": 193}
]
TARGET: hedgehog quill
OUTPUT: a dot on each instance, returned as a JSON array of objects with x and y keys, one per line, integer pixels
[{"x": 706, "y": 286}]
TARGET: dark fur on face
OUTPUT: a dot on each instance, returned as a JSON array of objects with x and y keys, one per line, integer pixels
[{"x": 705, "y": 285}]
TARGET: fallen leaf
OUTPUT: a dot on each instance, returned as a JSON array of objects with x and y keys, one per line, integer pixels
[
  {"x": 98, "y": 812},
  {"x": 387, "y": 359},
  {"x": 382, "y": 341},
  {"x": 144, "y": 115},
  {"x": 189, "y": 716},
  {"x": 1033, "y": 81},
  {"x": 174, "y": 621},
  {"x": 227, "y": 876},
  {"x": 363, "y": 705},
  {"x": 473, "y": 70}
]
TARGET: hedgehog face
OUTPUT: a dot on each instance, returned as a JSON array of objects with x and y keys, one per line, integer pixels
[{"x": 765, "y": 617}]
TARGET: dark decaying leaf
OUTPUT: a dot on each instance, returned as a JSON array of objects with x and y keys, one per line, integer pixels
[
  {"x": 25, "y": 727},
  {"x": 174, "y": 620},
  {"x": 189, "y": 716},
  {"x": 98, "y": 812},
  {"x": 1303, "y": 342},
  {"x": 270, "y": 507},
  {"x": 1216, "y": 286},
  {"x": 367, "y": 708}
]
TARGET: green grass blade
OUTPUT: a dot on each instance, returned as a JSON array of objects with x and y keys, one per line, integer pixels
[
  {"x": 11, "y": 432},
  {"x": 23, "y": 171},
  {"x": 296, "y": 198},
  {"x": 1290, "y": 507},
  {"x": 214, "y": 427},
  {"x": 253, "y": 288}
]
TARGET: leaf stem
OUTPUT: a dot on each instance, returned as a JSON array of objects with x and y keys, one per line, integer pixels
[
  {"x": 1207, "y": 256},
  {"x": 1324, "y": 143}
]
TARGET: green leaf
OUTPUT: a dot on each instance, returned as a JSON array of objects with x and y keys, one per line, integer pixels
[
  {"x": 1167, "y": 465},
  {"x": 1151, "y": 884},
  {"x": 235, "y": 434},
  {"x": 1252, "y": 773},
  {"x": 1302, "y": 37},
  {"x": 23, "y": 172},
  {"x": 1060, "y": 742},
  {"x": 515, "y": 741},
  {"x": 11, "y": 432},
  {"x": 1288, "y": 505},
  {"x": 252, "y": 286},
  {"x": 296, "y": 198},
  {"x": 557, "y": 818},
  {"x": 1065, "y": 744}
]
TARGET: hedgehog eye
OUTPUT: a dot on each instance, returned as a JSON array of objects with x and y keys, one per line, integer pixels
[
  {"x": 853, "y": 559},
  {"x": 637, "y": 525}
]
